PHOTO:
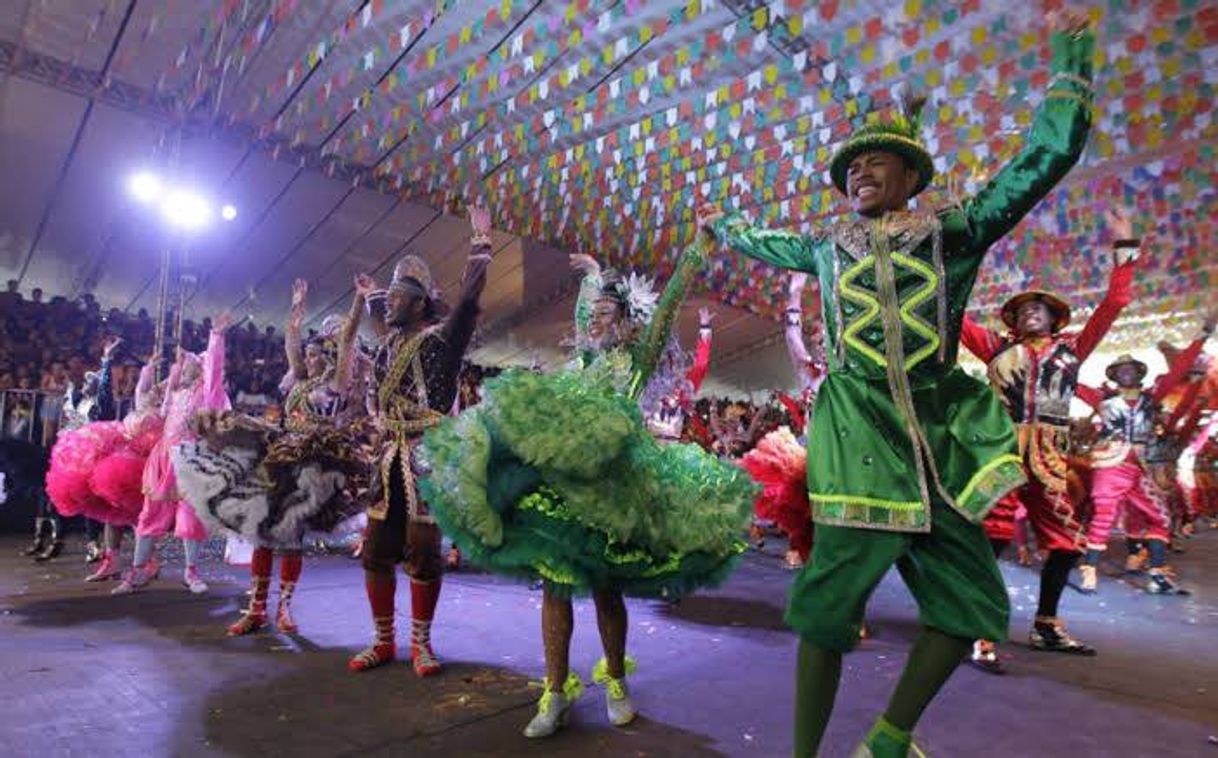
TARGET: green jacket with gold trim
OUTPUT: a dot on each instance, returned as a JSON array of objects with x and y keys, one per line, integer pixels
[{"x": 897, "y": 422}]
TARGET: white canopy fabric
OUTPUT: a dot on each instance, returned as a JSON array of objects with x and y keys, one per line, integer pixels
[{"x": 339, "y": 130}]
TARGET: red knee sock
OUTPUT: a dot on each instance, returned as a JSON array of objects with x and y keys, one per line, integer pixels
[
  {"x": 423, "y": 598},
  {"x": 381, "y": 591},
  {"x": 260, "y": 573}
]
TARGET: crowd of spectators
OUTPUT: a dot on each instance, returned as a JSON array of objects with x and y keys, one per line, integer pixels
[{"x": 47, "y": 344}]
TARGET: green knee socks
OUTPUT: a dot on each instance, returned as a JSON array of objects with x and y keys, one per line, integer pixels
[
  {"x": 818, "y": 673},
  {"x": 933, "y": 659}
]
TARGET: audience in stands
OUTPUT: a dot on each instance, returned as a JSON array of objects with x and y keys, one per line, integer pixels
[{"x": 44, "y": 346}]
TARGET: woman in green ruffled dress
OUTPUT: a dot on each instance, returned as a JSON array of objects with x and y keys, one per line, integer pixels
[{"x": 555, "y": 477}]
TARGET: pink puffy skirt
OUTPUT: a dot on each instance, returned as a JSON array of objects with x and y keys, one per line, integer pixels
[
  {"x": 73, "y": 460},
  {"x": 117, "y": 477}
]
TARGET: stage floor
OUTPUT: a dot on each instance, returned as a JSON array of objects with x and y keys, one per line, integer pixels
[{"x": 152, "y": 674}]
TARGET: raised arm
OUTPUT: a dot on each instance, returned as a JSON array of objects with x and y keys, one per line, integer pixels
[
  {"x": 105, "y": 380},
  {"x": 346, "y": 338},
  {"x": 1050, "y": 148},
  {"x": 213, "y": 396},
  {"x": 1210, "y": 430},
  {"x": 777, "y": 247},
  {"x": 702, "y": 353},
  {"x": 1178, "y": 369},
  {"x": 794, "y": 411},
  {"x": 1120, "y": 286},
  {"x": 172, "y": 381},
  {"x": 981, "y": 342},
  {"x": 660, "y": 327},
  {"x": 589, "y": 290},
  {"x": 292, "y": 344},
  {"x": 801, "y": 359},
  {"x": 375, "y": 301},
  {"x": 1092, "y": 396},
  {"x": 146, "y": 383},
  {"x": 458, "y": 328},
  {"x": 1186, "y": 416}
]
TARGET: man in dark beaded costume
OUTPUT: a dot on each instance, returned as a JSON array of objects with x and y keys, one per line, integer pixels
[
  {"x": 911, "y": 452},
  {"x": 415, "y": 376}
]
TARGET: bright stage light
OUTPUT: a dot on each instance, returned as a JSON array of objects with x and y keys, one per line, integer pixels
[
  {"x": 186, "y": 209},
  {"x": 144, "y": 186},
  {"x": 228, "y": 212}
]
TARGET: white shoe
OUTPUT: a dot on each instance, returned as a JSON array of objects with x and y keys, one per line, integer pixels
[
  {"x": 135, "y": 578},
  {"x": 553, "y": 710},
  {"x": 194, "y": 582},
  {"x": 1090, "y": 579},
  {"x": 617, "y": 703}
]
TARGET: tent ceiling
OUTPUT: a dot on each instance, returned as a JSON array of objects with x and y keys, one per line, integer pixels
[{"x": 396, "y": 109}]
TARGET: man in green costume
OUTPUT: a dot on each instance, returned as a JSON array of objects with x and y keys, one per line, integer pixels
[{"x": 911, "y": 452}]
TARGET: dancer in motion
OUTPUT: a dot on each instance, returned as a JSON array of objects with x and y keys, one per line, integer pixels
[
  {"x": 196, "y": 383},
  {"x": 667, "y": 405},
  {"x": 1121, "y": 481},
  {"x": 910, "y": 452},
  {"x": 117, "y": 476},
  {"x": 88, "y": 434},
  {"x": 1034, "y": 369},
  {"x": 555, "y": 477},
  {"x": 779, "y": 461},
  {"x": 416, "y": 369},
  {"x": 270, "y": 485}
]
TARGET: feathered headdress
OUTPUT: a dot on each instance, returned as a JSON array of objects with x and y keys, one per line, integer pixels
[
  {"x": 898, "y": 132},
  {"x": 635, "y": 293},
  {"x": 327, "y": 336}
]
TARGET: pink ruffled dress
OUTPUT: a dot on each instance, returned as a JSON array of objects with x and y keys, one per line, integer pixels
[{"x": 163, "y": 509}]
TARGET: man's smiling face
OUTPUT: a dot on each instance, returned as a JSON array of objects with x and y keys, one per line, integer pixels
[{"x": 878, "y": 181}]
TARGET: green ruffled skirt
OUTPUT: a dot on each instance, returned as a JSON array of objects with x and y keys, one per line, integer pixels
[{"x": 555, "y": 477}]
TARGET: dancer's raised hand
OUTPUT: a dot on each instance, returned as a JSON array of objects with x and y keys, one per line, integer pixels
[
  {"x": 1069, "y": 21},
  {"x": 111, "y": 345},
  {"x": 796, "y": 284},
  {"x": 364, "y": 285},
  {"x": 706, "y": 214},
  {"x": 585, "y": 264}
]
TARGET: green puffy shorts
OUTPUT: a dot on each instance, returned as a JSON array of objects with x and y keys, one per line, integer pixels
[{"x": 951, "y": 572}]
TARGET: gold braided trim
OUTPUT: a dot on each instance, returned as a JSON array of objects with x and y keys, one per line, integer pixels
[
  {"x": 411, "y": 427},
  {"x": 984, "y": 472},
  {"x": 893, "y": 505},
  {"x": 847, "y": 290},
  {"x": 913, "y": 320},
  {"x": 401, "y": 362},
  {"x": 892, "y": 137}
]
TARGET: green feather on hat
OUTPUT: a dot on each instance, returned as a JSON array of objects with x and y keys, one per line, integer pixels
[{"x": 897, "y": 133}]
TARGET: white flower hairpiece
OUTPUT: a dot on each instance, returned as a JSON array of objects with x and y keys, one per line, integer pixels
[{"x": 640, "y": 297}]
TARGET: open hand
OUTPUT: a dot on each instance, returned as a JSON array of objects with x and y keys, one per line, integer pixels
[
  {"x": 223, "y": 321},
  {"x": 585, "y": 264},
  {"x": 111, "y": 345},
  {"x": 1069, "y": 21},
  {"x": 705, "y": 317},
  {"x": 1119, "y": 222},
  {"x": 300, "y": 288},
  {"x": 707, "y": 214},
  {"x": 796, "y": 284},
  {"x": 480, "y": 219},
  {"x": 364, "y": 285}
]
